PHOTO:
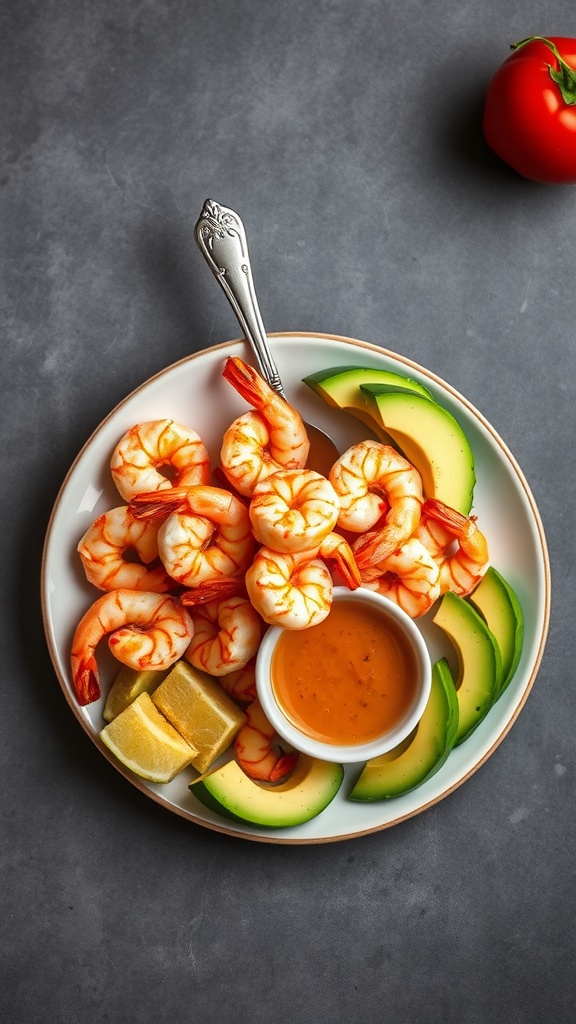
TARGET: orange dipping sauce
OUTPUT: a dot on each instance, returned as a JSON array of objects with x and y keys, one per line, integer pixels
[{"x": 347, "y": 680}]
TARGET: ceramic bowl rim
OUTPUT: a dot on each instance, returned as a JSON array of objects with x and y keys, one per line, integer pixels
[{"x": 362, "y": 751}]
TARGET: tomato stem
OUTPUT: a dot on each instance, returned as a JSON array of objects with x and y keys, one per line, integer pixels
[{"x": 564, "y": 76}]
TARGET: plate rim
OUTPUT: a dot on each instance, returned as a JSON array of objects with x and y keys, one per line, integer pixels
[{"x": 272, "y": 839}]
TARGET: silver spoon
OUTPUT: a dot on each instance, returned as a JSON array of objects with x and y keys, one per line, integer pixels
[{"x": 222, "y": 240}]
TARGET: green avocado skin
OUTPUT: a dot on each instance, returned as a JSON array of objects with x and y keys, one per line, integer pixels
[
  {"x": 497, "y": 602},
  {"x": 205, "y": 797},
  {"x": 339, "y": 382},
  {"x": 307, "y": 804},
  {"x": 479, "y": 660},
  {"x": 433, "y": 740}
]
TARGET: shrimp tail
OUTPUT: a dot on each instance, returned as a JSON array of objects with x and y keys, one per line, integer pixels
[
  {"x": 454, "y": 521},
  {"x": 372, "y": 550},
  {"x": 152, "y": 504},
  {"x": 472, "y": 541},
  {"x": 214, "y": 590},
  {"x": 284, "y": 765},
  {"x": 244, "y": 380},
  {"x": 336, "y": 549},
  {"x": 463, "y": 570},
  {"x": 85, "y": 679}
]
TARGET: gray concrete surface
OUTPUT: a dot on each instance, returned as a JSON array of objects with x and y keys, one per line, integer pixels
[{"x": 348, "y": 136}]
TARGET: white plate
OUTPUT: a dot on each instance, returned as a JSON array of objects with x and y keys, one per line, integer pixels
[{"x": 194, "y": 392}]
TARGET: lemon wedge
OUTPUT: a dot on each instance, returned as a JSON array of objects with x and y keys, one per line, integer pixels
[
  {"x": 143, "y": 741},
  {"x": 129, "y": 684},
  {"x": 196, "y": 705}
]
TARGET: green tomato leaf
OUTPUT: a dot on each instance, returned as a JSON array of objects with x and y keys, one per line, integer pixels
[
  {"x": 564, "y": 76},
  {"x": 566, "y": 81}
]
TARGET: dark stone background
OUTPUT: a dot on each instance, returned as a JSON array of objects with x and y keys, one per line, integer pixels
[{"x": 348, "y": 135}]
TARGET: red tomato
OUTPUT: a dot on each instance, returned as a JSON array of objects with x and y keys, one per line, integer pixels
[{"x": 530, "y": 110}]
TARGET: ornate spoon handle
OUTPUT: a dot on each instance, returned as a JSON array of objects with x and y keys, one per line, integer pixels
[{"x": 222, "y": 239}]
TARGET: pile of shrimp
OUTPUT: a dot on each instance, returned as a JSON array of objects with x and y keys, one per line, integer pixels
[{"x": 197, "y": 562}]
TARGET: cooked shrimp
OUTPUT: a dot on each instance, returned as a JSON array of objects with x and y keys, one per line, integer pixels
[
  {"x": 377, "y": 487},
  {"x": 411, "y": 578},
  {"x": 293, "y": 510},
  {"x": 206, "y": 536},
  {"x": 245, "y": 454},
  {"x": 105, "y": 552},
  {"x": 295, "y": 590},
  {"x": 226, "y": 635},
  {"x": 159, "y": 454},
  {"x": 147, "y": 631},
  {"x": 260, "y": 442},
  {"x": 434, "y": 536},
  {"x": 257, "y": 748},
  {"x": 462, "y": 569},
  {"x": 241, "y": 684}
]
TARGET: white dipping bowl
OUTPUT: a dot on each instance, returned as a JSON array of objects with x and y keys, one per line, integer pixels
[{"x": 354, "y": 752}]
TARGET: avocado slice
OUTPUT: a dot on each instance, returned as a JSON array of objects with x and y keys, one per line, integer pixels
[
  {"x": 310, "y": 788},
  {"x": 431, "y": 439},
  {"x": 479, "y": 662},
  {"x": 339, "y": 386},
  {"x": 412, "y": 763},
  {"x": 499, "y": 606}
]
